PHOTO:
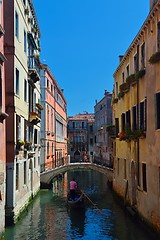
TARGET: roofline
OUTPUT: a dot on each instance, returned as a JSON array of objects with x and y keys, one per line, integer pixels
[
  {"x": 45, "y": 66},
  {"x": 34, "y": 16},
  {"x": 139, "y": 34}
]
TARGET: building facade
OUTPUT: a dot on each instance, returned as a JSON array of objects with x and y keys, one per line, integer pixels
[
  {"x": 80, "y": 137},
  {"x": 3, "y": 115},
  {"x": 54, "y": 122},
  {"x": 136, "y": 105},
  {"x": 22, "y": 71},
  {"x": 102, "y": 142}
]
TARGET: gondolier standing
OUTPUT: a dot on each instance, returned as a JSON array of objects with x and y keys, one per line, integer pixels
[{"x": 73, "y": 187}]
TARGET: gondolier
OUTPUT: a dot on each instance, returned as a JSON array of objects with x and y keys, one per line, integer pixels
[{"x": 73, "y": 187}]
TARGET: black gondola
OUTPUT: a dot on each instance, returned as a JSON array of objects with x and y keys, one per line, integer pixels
[{"x": 78, "y": 201}]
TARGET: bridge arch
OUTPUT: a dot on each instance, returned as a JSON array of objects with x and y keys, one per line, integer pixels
[{"x": 47, "y": 177}]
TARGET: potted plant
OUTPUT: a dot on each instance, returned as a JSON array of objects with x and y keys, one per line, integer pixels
[
  {"x": 26, "y": 11},
  {"x": 28, "y": 145},
  {"x": 120, "y": 95},
  {"x": 131, "y": 79},
  {"x": 20, "y": 143},
  {"x": 140, "y": 74},
  {"x": 155, "y": 58},
  {"x": 122, "y": 136}
]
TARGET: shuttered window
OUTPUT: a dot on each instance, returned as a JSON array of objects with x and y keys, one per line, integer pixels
[{"x": 157, "y": 115}]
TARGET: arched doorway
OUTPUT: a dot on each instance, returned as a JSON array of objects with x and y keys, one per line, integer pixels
[{"x": 133, "y": 183}]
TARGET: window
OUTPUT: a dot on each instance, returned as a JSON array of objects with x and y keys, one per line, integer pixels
[
  {"x": 143, "y": 118},
  {"x": 34, "y": 162},
  {"x": 82, "y": 124},
  {"x": 25, "y": 173},
  {"x": 25, "y": 41},
  {"x": 35, "y": 136},
  {"x": 116, "y": 90},
  {"x": 91, "y": 128},
  {"x": 143, "y": 56},
  {"x": 47, "y": 118},
  {"x": 134, "y": 118},
  {"x": 73, "y": 123},
  {"x": 47, "y": 83},
  {"x": 123, "y": 121},
  {"x": 144, "y": 177},
  {"x": 117, "y": 126},
  {"x": 25, "y": 90},
  {"x": 136, "y": 63},
  {"x": 127, "y": 70},
  {"x": 123, "y": 77},
  {"x": 18, "y": 127},
  {"x": 158, "y": 36},
  {"x": 158, "y": 111},
  {"x": 51, "y": 88},
  {"x": 91, "y": 141},
  {"x": 47, "y": 148},
  {"x": 128, "y": 119},
  {"x": 17, "y": 25},
  {"x": 17, "y": 81}
]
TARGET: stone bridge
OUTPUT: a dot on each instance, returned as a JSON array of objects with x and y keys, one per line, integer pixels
[{"x": 47, "y": 176}]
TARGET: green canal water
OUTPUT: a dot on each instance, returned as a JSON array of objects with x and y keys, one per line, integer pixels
[{"x": 49, "y": 217}]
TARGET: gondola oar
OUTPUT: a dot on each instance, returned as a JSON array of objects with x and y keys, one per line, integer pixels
[{"x": 91, "y": 202}]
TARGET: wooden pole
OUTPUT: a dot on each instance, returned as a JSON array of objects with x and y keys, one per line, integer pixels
[{"x": 92, "y": 202}]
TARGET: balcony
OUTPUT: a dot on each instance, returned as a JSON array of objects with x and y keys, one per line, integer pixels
[
  {"x": 34, "y": 68},
  {"x": 35, "y": 116}
]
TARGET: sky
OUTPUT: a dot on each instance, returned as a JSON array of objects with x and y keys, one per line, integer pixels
[{"x": 81, "y": 41}]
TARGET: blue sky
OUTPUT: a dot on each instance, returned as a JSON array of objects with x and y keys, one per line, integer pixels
[{"x": 81, "y": 41}]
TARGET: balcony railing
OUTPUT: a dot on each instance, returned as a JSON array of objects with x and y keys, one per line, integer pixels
[
  {"x": 35, "y": 116},
  {"x": 34, "y": 68}
]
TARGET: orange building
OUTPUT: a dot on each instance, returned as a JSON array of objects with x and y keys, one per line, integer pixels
[{"x": 54, "y": 124}]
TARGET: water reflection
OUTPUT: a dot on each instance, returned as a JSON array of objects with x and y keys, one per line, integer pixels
[
  {"x": 76, "y": 223},
  {"x": 50, "y": 218}
]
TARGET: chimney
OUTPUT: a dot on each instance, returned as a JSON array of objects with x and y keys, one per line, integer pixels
[
  {"x": 120, "y": 58},
  {"x": 96, "y": 101},
  {"x": 105, "y": 92},
  {"x": 152, "y": 2}
]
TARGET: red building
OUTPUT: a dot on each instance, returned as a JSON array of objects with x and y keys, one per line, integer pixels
[{"x": 3, "y": 115}]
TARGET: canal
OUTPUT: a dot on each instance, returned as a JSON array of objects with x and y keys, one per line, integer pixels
[{"x": 48, "y": 217}]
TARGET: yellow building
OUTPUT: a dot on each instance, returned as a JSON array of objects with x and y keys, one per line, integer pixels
[{"x": 136, "y": 109}]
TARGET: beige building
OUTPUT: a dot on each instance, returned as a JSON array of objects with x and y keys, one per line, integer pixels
[{"x": 136, "y": 108}]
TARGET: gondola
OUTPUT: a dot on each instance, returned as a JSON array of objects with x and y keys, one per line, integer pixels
[{"x": 78, "y": 201}]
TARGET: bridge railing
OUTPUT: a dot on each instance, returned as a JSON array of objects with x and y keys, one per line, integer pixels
[{"x": 53, "y": 164}]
